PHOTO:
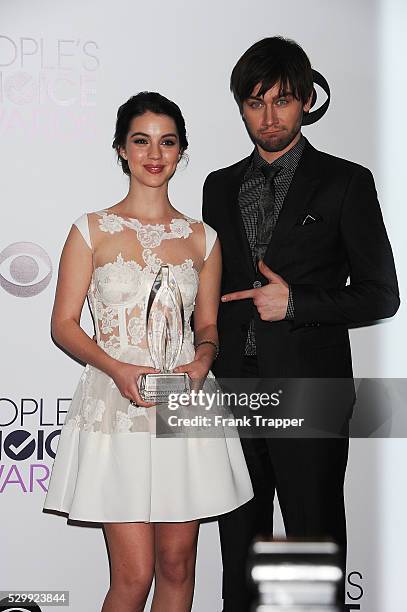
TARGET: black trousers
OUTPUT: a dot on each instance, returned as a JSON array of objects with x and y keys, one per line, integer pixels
[{"x": 307, "y": 475}]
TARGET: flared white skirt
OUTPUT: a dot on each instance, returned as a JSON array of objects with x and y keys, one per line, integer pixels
[{"x": 111, "y": 467}]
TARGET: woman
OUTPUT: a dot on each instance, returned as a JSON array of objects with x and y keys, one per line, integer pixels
[{"x": 148, "y": 491}]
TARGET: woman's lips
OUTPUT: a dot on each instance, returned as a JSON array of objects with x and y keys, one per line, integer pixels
[{"x": 154, "y": 169}]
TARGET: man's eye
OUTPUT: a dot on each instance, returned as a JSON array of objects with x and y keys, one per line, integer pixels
[
  {"x": 257, "y": 104},
  {"x": 282, "y": 102}
]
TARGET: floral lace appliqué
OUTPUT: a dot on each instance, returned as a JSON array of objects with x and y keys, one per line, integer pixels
[
  {"x": 123, "y": 422},
  {"x": 150, "y": 236},
  {"x": 107, "y": 317},
  {"x": 136, "y": 327},
  {"x": 110, "y": 223},
  {"x": 180, "y": 228},
  {"x": 93, "y": 412},
  {"x": 152, "y": 261},
  {"x": 111, "y": 346},
  {"x": 135, "y": 411}
]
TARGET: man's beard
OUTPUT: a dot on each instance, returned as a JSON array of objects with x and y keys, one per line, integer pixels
[{"x": 272, "y": 145}]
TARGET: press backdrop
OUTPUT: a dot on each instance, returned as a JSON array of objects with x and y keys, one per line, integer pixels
[{"x": 65, "y": 67}]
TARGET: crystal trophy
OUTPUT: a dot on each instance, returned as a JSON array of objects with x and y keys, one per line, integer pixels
[{"x": 165, "y": 335}]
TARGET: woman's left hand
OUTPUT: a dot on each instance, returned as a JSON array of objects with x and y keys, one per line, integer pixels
[{"x": 197, "y": 371}]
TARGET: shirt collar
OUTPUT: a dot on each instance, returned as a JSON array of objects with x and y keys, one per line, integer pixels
[{"x": 287, "y": 162}]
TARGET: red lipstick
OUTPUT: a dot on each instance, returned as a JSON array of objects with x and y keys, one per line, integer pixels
[{"x": 154, "y": 169}]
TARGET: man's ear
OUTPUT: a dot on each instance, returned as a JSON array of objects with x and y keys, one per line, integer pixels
[{"x": 307, "y": 105}]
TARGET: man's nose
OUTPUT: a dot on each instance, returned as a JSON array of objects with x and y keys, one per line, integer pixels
[{"x": 270, "y": 116}]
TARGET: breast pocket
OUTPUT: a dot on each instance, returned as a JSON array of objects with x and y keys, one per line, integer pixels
[
  {"x": 315, "y": 239},
  {"x": 318, "y": 227}
]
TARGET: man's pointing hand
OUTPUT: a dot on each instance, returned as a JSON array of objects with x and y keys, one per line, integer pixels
[{"x": 271, "y": 300}]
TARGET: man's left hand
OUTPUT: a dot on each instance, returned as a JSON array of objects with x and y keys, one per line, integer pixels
[{"x": 271, "y": 300}]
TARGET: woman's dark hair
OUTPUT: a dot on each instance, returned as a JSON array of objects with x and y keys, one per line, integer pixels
[
  {"x": 268, "y": 62},
  {"x": 138, "y": 105}
]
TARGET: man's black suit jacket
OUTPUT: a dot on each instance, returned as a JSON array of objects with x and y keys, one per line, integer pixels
[{"x": 347, "y": 239}]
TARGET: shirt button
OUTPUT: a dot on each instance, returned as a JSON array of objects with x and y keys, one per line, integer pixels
[{"x": 256, "y": 284}]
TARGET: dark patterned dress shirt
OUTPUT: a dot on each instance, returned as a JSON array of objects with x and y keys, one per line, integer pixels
[{"x": 249, "y": 196}]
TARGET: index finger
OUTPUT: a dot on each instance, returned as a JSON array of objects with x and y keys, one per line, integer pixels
[
  {"x": 147, "y": 370},
  {"x": 238, "y": 295}
]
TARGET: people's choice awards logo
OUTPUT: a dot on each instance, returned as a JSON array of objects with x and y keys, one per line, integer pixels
[
  {"x": 25, "y": 269},
  {"x": 19, "y": 445},
  {"x": 48, "y": 86},
  {"x": 19, "y": 88},
  {"x": 29, "y": 433},
  {"x": 41, "y": 71}
]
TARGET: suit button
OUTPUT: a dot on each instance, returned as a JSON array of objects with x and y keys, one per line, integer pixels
[{"x": 256, "y": 284}]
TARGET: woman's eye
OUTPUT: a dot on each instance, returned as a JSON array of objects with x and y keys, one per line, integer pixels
[
  {"x": 140, "y": 141},
  {"x": 169, "y": 143},
  {"x": 282, "y": 102},
  {"x": 256, "y": 104}
]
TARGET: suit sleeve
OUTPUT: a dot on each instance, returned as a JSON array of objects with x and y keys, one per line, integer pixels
[
  {"x": 373, "y": 290},
  {"x": 206, "y": 202}
]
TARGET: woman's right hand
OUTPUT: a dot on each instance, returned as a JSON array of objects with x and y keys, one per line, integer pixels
[{"x": 125, "y": 376}]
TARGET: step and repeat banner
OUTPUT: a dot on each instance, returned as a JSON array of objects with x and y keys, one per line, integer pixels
[{"x": 64, "y": 69}]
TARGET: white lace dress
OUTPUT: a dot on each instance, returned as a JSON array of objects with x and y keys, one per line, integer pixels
[{"x": 110, "y": 465}]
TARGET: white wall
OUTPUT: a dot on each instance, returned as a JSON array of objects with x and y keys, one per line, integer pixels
[{"x": 57, "y": 111}]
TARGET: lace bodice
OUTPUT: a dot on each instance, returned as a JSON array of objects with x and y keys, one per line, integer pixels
[{"x": 126, "y": 258}]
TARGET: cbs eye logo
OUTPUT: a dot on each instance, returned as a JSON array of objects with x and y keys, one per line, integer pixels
[
  {"x": 6, "y": 606},
  {"x": 25, "y": 269}
]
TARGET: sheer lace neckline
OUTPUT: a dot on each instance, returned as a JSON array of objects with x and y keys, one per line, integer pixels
[
  {"x": 150, "y": 236},
  {"x": 140, "y": 224}
]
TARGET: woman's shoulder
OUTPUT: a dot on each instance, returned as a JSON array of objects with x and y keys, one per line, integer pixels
[
  {"x": 192, "y": 220},
  {"x": 87, "y": 216},
  {"x": 208, "y": 229},
  {"x": 84, "y": 223},
  {"x": 185, "y": 222},
  {"x": 210, "y": 238},
  {"x": 209, "y": 234}
]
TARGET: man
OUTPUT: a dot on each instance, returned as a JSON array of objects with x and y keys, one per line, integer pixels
[{"x": 294, "y": 224}]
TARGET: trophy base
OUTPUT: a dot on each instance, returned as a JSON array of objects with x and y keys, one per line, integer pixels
[{"x": 157, "y": 387}]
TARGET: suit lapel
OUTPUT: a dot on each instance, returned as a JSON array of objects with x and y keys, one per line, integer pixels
[
  {"x": 234, "y": 218},
  {"x": 303, "y": 186}
]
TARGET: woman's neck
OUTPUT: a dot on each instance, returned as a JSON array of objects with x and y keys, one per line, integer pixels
[{"x": 146, "y": 203}]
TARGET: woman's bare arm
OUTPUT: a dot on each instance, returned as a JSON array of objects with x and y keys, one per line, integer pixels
[
  {"x": 74, "y": 275},
  {"x": 205, "y": 315},
  {"x": 75, "y": 272},
  {"x": 207, "y": 302}
]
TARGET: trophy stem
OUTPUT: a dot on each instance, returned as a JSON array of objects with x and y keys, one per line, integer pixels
[
  {"x": 165, "y": 334},
  {"x": 165, "y": 321}
]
